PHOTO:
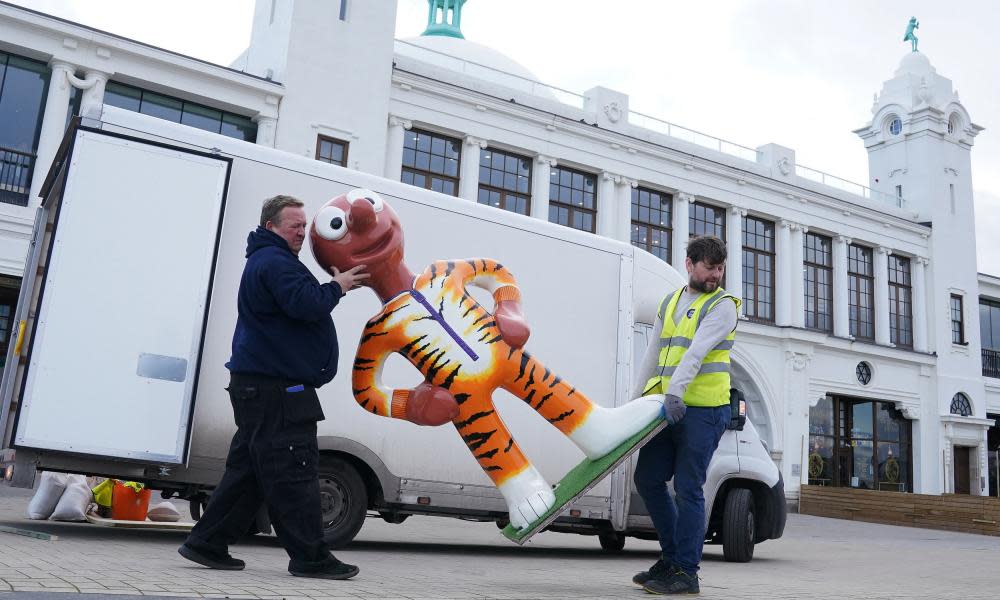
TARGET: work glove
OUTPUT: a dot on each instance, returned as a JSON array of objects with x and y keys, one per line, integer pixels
[{"x": 673, "y": 409}]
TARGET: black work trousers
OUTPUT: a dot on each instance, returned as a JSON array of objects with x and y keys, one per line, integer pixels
[{"x": 273, "y": 459}]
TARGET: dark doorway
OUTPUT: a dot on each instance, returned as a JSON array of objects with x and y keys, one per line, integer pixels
[
  {"x": 962, "y": 470},
  {"x": 9, "y": 288}
]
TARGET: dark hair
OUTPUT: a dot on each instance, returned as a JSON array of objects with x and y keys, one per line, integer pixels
[
  {"x": 707, "y": 248},
  {"x": 273, "y": 206}
]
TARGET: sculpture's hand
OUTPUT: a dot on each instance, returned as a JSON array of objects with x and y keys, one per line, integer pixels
[
  {"x": 431, "y": 405},
  {"x": 511, "y": 323}
]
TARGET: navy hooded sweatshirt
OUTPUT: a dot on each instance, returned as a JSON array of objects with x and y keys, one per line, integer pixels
[{"x": 284, "y": 328}]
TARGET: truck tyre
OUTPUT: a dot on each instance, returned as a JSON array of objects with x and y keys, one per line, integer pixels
[
  {"x": 343, "y": 501},
  {"x": 738, "y": 526},
  {"x": 196, "y": 507},
  {"x": 612, "y": 542}
]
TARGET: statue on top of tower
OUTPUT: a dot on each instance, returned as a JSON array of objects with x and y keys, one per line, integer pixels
[{"x": 911, "y": 35}]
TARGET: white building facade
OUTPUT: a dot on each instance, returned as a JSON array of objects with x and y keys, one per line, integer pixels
[{"x": 867, "y": 348}]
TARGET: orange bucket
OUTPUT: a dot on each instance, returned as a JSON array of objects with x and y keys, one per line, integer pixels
[{"x": 129, "y": 505}]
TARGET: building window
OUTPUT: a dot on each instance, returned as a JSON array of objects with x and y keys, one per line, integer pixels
[
  {"x": 896, "y": 126},
  {"x": 505, "y": 180},
  {"x": 859, "y": 443},
  {"x": 652, "y": 221},
  {"x": 331, "y": 150},
  {"x": 957, "y": 320},
  {"x": 860, "y": 292},
  {"x": 900, "y": 302},
  {"x": 180, "y": 111},
  {"x": 758, "y": 269},
  {"x": 706, "y": 219},
  {"x": 818, "y": 274},
  {"x": 431, "y": 161},
  {"x": 960, "y": 405},
  {"x": 343, "y": 10},
  {"x": 863, "y": 372},
  {"x": 989, "y": 329},
  {"x": 23, "y": 89},
  {"x": 573, "y": 199}
]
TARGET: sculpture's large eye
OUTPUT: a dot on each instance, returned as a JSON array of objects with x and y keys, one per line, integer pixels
[
  {"x": 368, "y": 195},
  {"x": 331, "y": 223}
]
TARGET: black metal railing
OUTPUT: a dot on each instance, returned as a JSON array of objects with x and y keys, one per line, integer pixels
[
  {"x": 991, "y": 363},
  {"x": 15, "y": 176}
]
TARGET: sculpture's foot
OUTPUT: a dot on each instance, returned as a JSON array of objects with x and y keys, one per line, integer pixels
[
  {"x": 528, "y": 497},
  {"x": 606, "y": 428}
]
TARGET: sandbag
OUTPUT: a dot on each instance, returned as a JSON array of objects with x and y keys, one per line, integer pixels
[
  {"x": 50, "y": 489},
  {"x": 75, "y": 500},
  {"x": 165, "y": 512}
]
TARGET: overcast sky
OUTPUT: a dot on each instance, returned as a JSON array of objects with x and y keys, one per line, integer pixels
[{"x": 800, "y": 73}]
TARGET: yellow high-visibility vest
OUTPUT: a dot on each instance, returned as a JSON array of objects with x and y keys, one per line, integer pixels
[{"x": 710, "y": 387}]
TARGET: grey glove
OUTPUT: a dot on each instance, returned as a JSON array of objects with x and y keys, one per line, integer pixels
[{"x": 673, "y": 409}]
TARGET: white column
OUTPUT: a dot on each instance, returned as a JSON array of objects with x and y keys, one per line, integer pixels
[
  {"x": 782, "y": 274},
  {"x": 797, "y": 277},
  {"x": 624, "y": 208},
  {"x": 541, "y": 175},
  {"x": 394, "y": 147},
  {"x": 53, "y": 125},
  {"x": 267, "y": 129},
  {"x": 919, "y": 304},
  {"x": 92, "y": 101},
  {"x": 882, "y": 295},
  {"x": 841, "y": 322},
  {"x": 468, "y": 182},
  {"x": 606, "y": 199},
  {"x": 734, "y": 251},
  {"x": 682, "y": 208}
]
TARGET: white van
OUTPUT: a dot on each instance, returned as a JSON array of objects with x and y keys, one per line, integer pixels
[{"x": 128, "y": 306}]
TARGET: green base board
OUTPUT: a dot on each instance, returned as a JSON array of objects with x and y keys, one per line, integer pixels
[{"x": 581, "y": 478}]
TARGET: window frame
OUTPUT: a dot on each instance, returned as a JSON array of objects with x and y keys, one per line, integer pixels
[
  {"x": 320, "y": 138},
  {"x": 854, "y": 299},
  {"x": 962, "y": 340},
  {"x": 895, "y": 301},
  {"x": 429, "y": 175},
  {"x": 572, "y": 209},
  {"x": 636, "y": 224},
  {"x": 503, "y": 191},
  {"x": 694, "y": 219},
  {"x": 751, "y": 305},
  {"x": 809, "y": 267}
]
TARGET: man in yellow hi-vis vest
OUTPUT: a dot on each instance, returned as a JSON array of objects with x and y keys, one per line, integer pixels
[{"x": 688, "y": 364}]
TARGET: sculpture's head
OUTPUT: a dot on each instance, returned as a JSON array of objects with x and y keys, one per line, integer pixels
[{"x": 357, "y": 228}]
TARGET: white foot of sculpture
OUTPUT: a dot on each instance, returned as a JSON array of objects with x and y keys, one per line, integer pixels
[
  {"x": 528, "y": 497},
  {"x": 606, "y": 428}
]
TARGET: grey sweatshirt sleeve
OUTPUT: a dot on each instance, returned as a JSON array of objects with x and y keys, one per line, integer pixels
[
  {"x": 718, "y": 323},
  {"x": 648, "y": 366}
]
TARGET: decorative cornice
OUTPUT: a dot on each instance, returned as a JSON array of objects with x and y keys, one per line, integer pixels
[
  {"x": 395, "y": 121},
  {"x": 471, "y": 140},
  {"x": 682, "y": 196},
  {"x": 843, "y": 239},
  {"x": 546, "y": 160}
]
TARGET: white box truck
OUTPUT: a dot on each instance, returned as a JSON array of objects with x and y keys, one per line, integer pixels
[{"x": 128, "y": 306}]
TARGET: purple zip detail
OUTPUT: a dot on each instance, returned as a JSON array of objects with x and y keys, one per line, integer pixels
[{"x": 440, "y": 319}]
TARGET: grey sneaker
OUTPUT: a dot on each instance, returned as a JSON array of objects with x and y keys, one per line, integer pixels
[
  {"x": 661, "y": 569},
  {"x": 677, "y": 582}
]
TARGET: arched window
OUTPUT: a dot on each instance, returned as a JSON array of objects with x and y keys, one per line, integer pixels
[{"x": 960, "y": 405}]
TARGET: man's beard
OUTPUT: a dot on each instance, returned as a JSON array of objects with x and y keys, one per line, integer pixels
[{"x": 703, "y": 286}]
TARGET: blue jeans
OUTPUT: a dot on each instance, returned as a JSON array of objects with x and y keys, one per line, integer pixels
[{"x": 680, "y": 452}]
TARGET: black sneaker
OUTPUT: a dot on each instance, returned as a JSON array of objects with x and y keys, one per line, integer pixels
[
  {"x": 677, "y": 582},
  {"x": 661, "y": 569},
  {"x": 212, "y": 560},
  {"x": 332, "y": 570}
]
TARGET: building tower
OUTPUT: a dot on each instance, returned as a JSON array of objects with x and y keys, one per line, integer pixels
[{"x": 445, "y": 18}]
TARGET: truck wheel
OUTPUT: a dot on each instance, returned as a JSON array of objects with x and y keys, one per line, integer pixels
[
  {"x": 612, "y": 542},
  {"x": 343, "y": 501},
  {"x": 738, "y": 527}
]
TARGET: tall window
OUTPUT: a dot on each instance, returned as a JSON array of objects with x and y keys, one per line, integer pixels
[
  {"x": 573, "y": 199},
  {"x": 818, "y": 273},
  {"x": 900, "y": 302},
  {"x": 505, "y": 180},
  {"x": 758, "y": 269},
  {"x": 431, "y": 161},
  {"x": 705, "y": 219},
  {"x": 652, "y": 221},
  {"x": 331, "y": 150},
  {"x": 989, "y": 329},
  {"x": 957, "y": 320},
  {"x": 861, "y": 444},
  {"x": 180, "y": 111},
  {"x": 23, "y": 88},
  {"x": 860, "y": 291}
]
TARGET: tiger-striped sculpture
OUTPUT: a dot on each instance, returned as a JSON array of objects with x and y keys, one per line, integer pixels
[{"x": 464, "y": 351}]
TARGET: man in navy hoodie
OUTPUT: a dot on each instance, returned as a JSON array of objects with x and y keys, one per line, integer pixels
[{"x": 284, "y": 347}]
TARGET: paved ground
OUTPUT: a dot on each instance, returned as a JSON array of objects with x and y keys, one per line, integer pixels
[{"x": 447, "y": 558}]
